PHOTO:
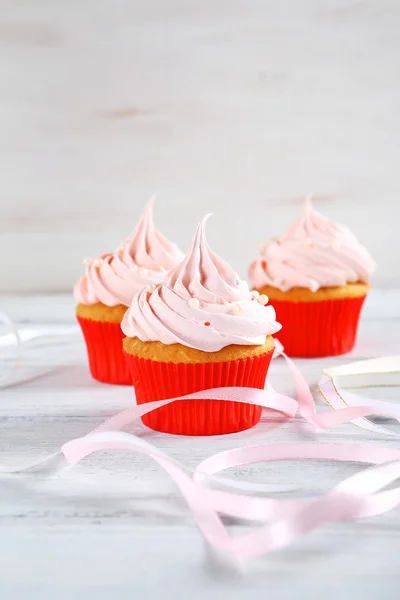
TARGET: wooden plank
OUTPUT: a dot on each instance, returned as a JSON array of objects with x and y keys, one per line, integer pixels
[
  {"x": 238, "y": 111},
  {"x": 115, "y": 524}
]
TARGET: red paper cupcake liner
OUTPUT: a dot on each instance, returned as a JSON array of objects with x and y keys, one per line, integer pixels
[
  {"x": 154, "y": 380},
  {"x": 104, "y": 347},
  {"x": 316, "y": 329}
]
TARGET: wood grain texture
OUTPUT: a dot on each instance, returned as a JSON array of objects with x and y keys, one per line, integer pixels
[
  {"x": 115, "y": 527},
  {"x": 236, "y": 108}
]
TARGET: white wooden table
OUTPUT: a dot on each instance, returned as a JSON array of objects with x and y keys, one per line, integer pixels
[{"x": 115, "y": 526}]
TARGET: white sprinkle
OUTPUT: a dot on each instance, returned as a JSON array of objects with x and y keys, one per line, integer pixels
[
  {"x": 151, "y": 287},
  {"x": 98, "y": 262},
  {"x": 255, "y": 294},
  {"x": 143, "y": 271},
  {"x": 87, "y": 260},
  {"x": 308, "y": 242},
  {"x": 263, "y": 299},
  {"x": 237, "y": 310},
  {"x": 193, "y": 303}
]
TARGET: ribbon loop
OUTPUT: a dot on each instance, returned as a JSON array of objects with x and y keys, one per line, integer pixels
[{"x": 283, "y": 520}]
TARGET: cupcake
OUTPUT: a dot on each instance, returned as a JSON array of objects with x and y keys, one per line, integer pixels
[
  {"x": 200, "y": 329},
  {"x": 316, "y": 276},
  {"x": 107, "y": 288}
]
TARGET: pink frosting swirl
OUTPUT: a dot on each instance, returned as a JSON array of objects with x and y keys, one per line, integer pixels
[
  {"x": 203, "y": 304},
  {"x": 314, "y": 252},
  {"x": 144, "y": 258}
]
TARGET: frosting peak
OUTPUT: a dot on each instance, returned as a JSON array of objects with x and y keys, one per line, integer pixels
[
  {"x": 314, "y": 252},
  {"x": 203, "y": 304},
  {"x": 143, "y": 258},
  {"x": 204, "y": 275},
  {"x": 147, "y": 247}
]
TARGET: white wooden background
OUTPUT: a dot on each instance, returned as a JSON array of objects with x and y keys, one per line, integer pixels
[
  {"x": 115, "y": 526},
  {"x": 236, "y": 107}
]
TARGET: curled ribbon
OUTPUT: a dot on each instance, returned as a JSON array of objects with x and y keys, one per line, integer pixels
[
  {"x": 359, "y": 496},
  {"x": 20, "y": 338},
  {"x": 367, "y": 373}
]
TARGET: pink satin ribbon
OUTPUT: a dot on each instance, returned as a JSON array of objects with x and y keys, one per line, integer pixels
[
  {"x": 338, "y": 416},
  {"x": 358, "y": 496}
]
